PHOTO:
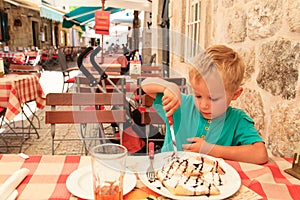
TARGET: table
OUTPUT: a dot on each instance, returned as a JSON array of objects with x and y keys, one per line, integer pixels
[
  {"x": 7, "y": 54},
  {"x": 18, "y": 89},
  {"x": 48, "y": 174}
]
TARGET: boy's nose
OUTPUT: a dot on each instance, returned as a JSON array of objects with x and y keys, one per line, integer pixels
[{"x": 204, "y": 104}]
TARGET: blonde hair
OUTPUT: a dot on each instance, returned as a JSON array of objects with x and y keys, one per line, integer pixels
[{"x": 225, "y": 60}]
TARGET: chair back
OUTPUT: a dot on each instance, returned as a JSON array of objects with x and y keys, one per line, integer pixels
[
  {"x": 62, "y": 61},
  {"x": 73, "y": 114},
  {"x": 26, "y": 69},
  {"x": 109, "y": 85},
  {"x": 180, "y": 81},
  {"x": 152, "y": 71},
  {"x": 37, "y": 58}
]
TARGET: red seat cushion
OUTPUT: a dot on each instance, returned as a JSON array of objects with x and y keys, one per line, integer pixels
[
  {"x": 70, "y": 80},
  {"x": 131, "y": 140},
  {"x": 1, "y": 109}
]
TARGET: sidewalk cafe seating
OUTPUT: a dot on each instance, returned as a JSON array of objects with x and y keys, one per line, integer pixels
[
  {"x": 49, "y": 58},
  {"x": 27, "y": 69}
]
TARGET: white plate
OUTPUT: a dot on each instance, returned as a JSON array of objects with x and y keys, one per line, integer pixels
[
  {"x": 231, "y": 178},
  {"x": 80, "y": 183}
]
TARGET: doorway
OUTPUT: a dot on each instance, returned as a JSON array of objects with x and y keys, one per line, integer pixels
[
  {"x": 56, "y": 36},
  {"x": 35, "y": 30}
]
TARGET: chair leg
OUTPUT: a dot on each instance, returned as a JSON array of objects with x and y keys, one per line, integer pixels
[
  {"x": 30, "y": 124},
  {"x": 83, "y": 129},
  {"x": 12, "y": 134},
  {"x": 102, "y": 134},
  {"x": 63, "y": 88},
  {"x": 34, "y": 115}
]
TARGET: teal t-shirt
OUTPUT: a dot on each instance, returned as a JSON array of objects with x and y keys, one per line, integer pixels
[{"x": 234, "y": 128}]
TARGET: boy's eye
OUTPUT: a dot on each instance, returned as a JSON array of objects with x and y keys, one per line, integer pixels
[
  {"x": 214, "y": 99},
  {"x": 198, "y": 96}
]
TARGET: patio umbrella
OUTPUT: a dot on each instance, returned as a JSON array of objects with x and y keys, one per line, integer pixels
[{"x": 83, "y": 15}]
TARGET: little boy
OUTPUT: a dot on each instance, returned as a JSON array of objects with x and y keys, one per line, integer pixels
[{"x": 203, "y": 121}]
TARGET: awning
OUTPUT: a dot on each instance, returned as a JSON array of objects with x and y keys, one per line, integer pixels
[
  {"x": 140, "y": 5},
  {"x": 50, "y": 12},
  {"x": 24, "y": 4},
  {"x": 83, "y": 15}
]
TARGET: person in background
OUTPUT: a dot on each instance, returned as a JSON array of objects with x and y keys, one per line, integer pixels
[
  {"x": 136, "y": 56},
  {"x": 129, "y": 38},
  {"x": 204, "y": 121},
  {"x": 125, "y": 50},
  {"x": 111, "y": 48}
]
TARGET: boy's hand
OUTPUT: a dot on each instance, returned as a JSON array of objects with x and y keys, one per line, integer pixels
[
  {"x": 196, "y": 146},
  {"x": 171, "y": 99}
]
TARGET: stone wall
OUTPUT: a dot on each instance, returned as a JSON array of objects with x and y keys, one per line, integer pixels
[
  {"x": 267, "y": 34},
  {"x": 20, "y": 34}
]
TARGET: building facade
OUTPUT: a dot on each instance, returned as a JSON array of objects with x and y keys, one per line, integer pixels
[{"x": 35, "y": 23}]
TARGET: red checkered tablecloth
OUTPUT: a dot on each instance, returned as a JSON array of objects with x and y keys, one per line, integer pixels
[
  {"x": 18, "y": 89},
  {"x": 48, "y": 175},
  {"x": 7, "y": 54}
]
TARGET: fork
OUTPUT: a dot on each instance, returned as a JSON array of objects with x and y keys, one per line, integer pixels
[{"x": 150, "y": 171}]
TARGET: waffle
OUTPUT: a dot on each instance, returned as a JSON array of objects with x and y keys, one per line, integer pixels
[{"x": 192, "y": 176}]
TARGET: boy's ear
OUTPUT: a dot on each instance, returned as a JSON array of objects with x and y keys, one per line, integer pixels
[{"x": 237, "y": 93}]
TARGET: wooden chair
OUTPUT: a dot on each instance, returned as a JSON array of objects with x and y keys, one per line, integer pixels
[
  {"x": 70, "y": 115},
  {"x": 110, "y": 69},
  {"x": 152, "y": 71},
  {"x": 149, "y": 117},
  {"x": 108, "y": 85},
  {"x": 180, "y": 81},
  {"x": 26, "y": 69},
  {"x": 67, "y": 79},
  {"x": 83, "y": 86}
]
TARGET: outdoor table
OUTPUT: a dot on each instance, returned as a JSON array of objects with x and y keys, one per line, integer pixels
[
  {"x": 7, "y": 54},
  {"x": 48, "y": 175},
  {"x": 18, "y": 89}
]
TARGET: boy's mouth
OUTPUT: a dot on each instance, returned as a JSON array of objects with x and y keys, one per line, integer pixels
[{"x": 205, "y": 113}]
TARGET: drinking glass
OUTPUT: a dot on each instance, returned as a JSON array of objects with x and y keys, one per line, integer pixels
[{"x": 108, "y": 166}]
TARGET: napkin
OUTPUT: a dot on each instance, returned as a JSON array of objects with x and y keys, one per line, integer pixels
[
  {"x": 8, "y": 187},
  {"x": 13, "y": 195}
]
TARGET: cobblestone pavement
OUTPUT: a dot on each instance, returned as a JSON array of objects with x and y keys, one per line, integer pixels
[{"x": 51, "y": 81}]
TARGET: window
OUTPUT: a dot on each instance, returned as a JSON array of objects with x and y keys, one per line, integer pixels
[{"x": 193, "y": 28}]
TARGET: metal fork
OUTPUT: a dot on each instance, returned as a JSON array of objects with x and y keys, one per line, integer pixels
[{"x": 150, "y": 171}]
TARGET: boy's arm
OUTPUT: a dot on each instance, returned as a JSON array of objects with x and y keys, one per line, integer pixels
[
  {"x": 252, "y": 153},
  {"x": 172, "y": 97}
]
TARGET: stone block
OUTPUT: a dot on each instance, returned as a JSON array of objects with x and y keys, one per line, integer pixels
[
  {"x": 284, "y": 135},
  {"x": 293, "y": 15},
  {"x": 264, "y": 19},
  {"x": 278, "y": 63},
  {"x": 251, "y": 102}
]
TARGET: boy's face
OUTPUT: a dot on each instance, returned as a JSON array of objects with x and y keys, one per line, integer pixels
[{"x": 211, "y": 99}]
